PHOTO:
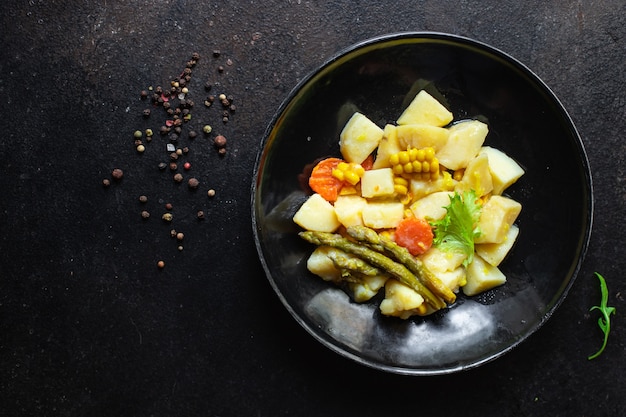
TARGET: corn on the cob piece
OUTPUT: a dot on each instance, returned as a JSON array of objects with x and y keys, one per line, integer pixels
[{"x": 418, "y": 163}]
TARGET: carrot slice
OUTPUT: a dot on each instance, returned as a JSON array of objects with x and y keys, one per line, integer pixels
[
  {"x": 322, "y": 181},
  {"x": 368, "y": 163},
  {"x": 414, "y": 234}
]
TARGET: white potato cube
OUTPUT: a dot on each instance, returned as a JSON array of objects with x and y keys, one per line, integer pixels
[
  {"x": 477, "y": 177},
  {"x": 400, "y": 300},
  {"x": 425, "y": 109},
  {"x": 349, "y": 209},
  {"x": 504, "y": 170},
  {"x": 317, "y": 214},
  {"x": 422, "y": 136},
  {"x": 320, "y": 264},
  {"x": 463, "y": 144},
  {"x": 367, "y": 288},
  {"x": 388, "y": 146},
  {"x": 438, "y": 260},
  {"x": 452, "y": 279},
  {"x": 383, "y": 215},
  {"x": 359, "y": 137},
  {"x": 482, "y": 277},
  {"x": 377, "y": 183},
  {"x": 494, "y": 253},
  {"x": 432, "y": 207},
  {"x": 421, "y": 188},
  {"x": 496, "y": 218}
]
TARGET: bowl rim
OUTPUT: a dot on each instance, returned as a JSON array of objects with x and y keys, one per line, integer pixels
[{"x": 461, "y": 41}]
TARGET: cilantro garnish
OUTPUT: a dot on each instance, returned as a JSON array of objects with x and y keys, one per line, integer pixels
[
  {"x": 605, "y": 321},
  {"x": 458, "y": 229}
]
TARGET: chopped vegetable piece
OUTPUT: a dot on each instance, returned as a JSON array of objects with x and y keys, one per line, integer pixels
[
  {"x": 457, "y": 230},
  {"x": 605, "y": 321},
  {"x": 349, "y": 172},
  {"x": 421, "y": 163},
  {"x": 415, "y": 234},
  {"x": 376, "y": 259},
  {"x": 384, "y": 244},
  {"x": 322, "y": 181}
]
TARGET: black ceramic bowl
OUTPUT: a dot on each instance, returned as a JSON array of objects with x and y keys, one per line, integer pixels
[{"x": 525, "y": 120}]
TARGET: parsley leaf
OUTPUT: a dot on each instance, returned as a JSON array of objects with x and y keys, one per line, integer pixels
[
  {"x": 605, "y": 321},
  {"x": 458, "y": 229}
]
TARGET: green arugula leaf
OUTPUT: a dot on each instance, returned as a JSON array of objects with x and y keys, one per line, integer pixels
[
  {"x": 605, "y": 321},
  {"x": 458, "y": 229}
]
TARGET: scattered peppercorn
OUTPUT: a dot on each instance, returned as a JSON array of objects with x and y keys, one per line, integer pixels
[
  {"x": 141, "y": 148},
  {"x": 149, "y": 132},
  {"x": 173, "y": 233},
  {"x": 187, "y": 166},
  {"x": 145, "y": 214},
  {"x": 146, "y": 113},
  {"x": 178, "y": 177},
  {"x": 207, "y": 129},
  {"x": 168, "y": 217},
  {"x": 193, "y": 183},
  {"x": 144, "y": 94},
  {"x": 220, "y": 141},
  {"x": 173, "y": 166},
  {"x": 200, "y": 215},
  {"x": 192, "y": 134},
  {"x": 162, "y": 166},
  {"x": 117, "y": 174},
  {"x": 168, "y": 206},
  {"x": 180, "y": 247},
  {"x": 143, "y": 199},
  {"x": 161, "y": 264},
  {"x": 221, "y": 151},
  {"x": 220, "y": 68},
  {"x": 106, "y": 182},
  {"x": 138, "y": 134},
  {"x": 180, "y": 236},
  {"x": 211, "y": 193},
  {"x": 185, "y": 150}
]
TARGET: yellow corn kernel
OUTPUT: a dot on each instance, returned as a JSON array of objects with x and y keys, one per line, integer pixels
[
  {"x": 425, "y": 166},
  {"x": 400, "y": 189},
  {"x": 351, "y": 177},
  {"x": 420, "y": 155},
  {"x": 397, "y": 169},
  {"x": 394, "y": 159},
  {"x": 458, "y": 174},
  {"x": 337, "y": 173},
  {"x": 403, "y": 157}
]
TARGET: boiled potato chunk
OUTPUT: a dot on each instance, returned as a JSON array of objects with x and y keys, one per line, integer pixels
[
  {"x": 438, "y": 260},
  {"x": 425, "y": 109},
  {"x": 454, "y": 279},
  {"x": 422, "y": 136},
  {"x": 377, "y": 183},
  {"x": 432, "y": 207},
  {"x": 349, "y": 208},
  {"x": 463, "y": 144},
  {"x": 367, "y": 288},
  {"x": 317, "y": 214},
  {"x": 383, "y": 215},
  {"x": 496, "y": 218},
  {"x": 421, "y": 188},
  {"x": 400, "y": 300},
  {"x": 477, "y": 177},
  {"x": 321, "y": 265},
  {"x": 388, "y": 146},
  {"x": 494, "y": 253},
  {"x": 359, "y": 137},
  {"x": 504, "y": 170},
  {"x": 482, "y": 277}
]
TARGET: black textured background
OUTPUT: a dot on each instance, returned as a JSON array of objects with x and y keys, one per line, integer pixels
[{"x": 90, "y": 327}]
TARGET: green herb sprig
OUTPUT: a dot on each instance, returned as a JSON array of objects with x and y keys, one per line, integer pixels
[
  {"x": 458, "y": 229},
  {"x": 605, "y": 321}
]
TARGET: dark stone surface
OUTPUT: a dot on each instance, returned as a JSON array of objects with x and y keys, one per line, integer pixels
[{"x": 90, "y": 326}]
